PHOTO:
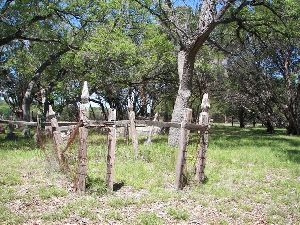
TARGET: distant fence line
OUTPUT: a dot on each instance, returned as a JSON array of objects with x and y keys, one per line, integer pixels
[{"x": 81, "y": 128}]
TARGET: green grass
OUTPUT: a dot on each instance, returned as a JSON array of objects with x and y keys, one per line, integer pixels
[
  {"x": 178, "y": 214},
  {"x": 252, "y": 177},
  {"x": 51, "y": 191},
  {"x": 113, "y": 215},
  {"x": 79, "y": 206},
  {"x": 148, "y": 219},
  {"x": 4, "y": 108},
  {"x": 8, "y": 217}
]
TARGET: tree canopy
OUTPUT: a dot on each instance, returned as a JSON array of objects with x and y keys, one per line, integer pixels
[{"x": 163, "y": 54}]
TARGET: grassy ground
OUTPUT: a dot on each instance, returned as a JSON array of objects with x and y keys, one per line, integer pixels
[{"x": 253, "y": 178}]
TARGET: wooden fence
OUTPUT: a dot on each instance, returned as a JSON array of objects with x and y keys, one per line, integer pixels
[{"x": 81, "y": 128}]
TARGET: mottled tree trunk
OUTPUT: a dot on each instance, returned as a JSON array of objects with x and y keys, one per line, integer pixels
[
  {"x": 292, "y": 115},
  {"x": 293, "y": 127},
  {"x": 26, "y": 107},
  {"x": 185, "y": 71}
]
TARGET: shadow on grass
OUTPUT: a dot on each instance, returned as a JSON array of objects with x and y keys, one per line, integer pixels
[
  {"x": 98, "y": 186},
  {"x": 293, "y": 155},
  {"x": 20, "y": 143}
]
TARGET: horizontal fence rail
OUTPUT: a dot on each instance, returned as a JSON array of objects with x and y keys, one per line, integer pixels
[{"x": 120, "y": 123}]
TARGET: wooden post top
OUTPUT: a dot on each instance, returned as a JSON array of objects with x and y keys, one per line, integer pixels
[
  {"x": 130, "y": 104},
  {"x": 51, "y": 113},
  {"x": 85, "y": 93},
  {"x": 112, "y": 114},
  {"x": 205, "y": 102},
  {"x": 84, "y": 106},
  {"x": 187, "y": 116}
]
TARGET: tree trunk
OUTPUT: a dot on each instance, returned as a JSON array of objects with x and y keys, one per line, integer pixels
[
  {"x": 254, "y": 122},
  {"x": 293, "y": 127},
  {"x": 27, "y": 102},
  {"x": 269, "y": 126},
  {"x": 26, "y": 107},
  {"x": 242, "y": 117},
  {"x": 291, "y": 114},
  {"x": 185, "y": 71}
]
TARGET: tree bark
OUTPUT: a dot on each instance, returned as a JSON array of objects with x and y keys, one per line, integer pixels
[
  {"x": 293, "y": 127},
  {"x": 185, "y": 62},
  {"x": 27, "y": 102},
  {"x": 242, "y": 117}
]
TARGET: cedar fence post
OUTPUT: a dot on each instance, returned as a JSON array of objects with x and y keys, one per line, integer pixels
[
  {"x": 203, "y": 120},
  {"x": 111, "y": 149},
  {"x": 38, "y": 131},
  {"x": 181, "y": 158},
  {"x": 133, "y": 132},
  {"x": 83, "y": 133},
  {"x": 57, "y": 139},
  {"x": 126, "y": 134},
  {"x": 148, "y": 141},
  {"x": 56, "y": 136}
]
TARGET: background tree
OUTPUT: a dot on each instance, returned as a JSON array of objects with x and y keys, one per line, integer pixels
[{"x": 190, "y": 24}]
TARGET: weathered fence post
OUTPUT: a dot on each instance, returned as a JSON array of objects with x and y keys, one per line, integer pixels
[
  {"x": 148, "y": 141},
  {"x": 126, "y": 134},
  {"x": 133, "y": 132},
  {"x": 181, "y": 158},
  {"x": 203, "y": 120},
  {"x": 56, "y": 135},
  {"x": 111, "y": 149},
  {"x": 11, "y": 135},
  {"x": 83, "y": 133},
  {"x": 38, "y": 135},
  {"x": 57, "y": 139}
]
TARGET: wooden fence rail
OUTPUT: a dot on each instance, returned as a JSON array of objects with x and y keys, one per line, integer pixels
[{"x": 104, "y": 124}]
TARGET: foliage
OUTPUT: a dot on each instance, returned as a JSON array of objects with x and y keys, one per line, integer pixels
[{"x": 4, "y": 109}]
